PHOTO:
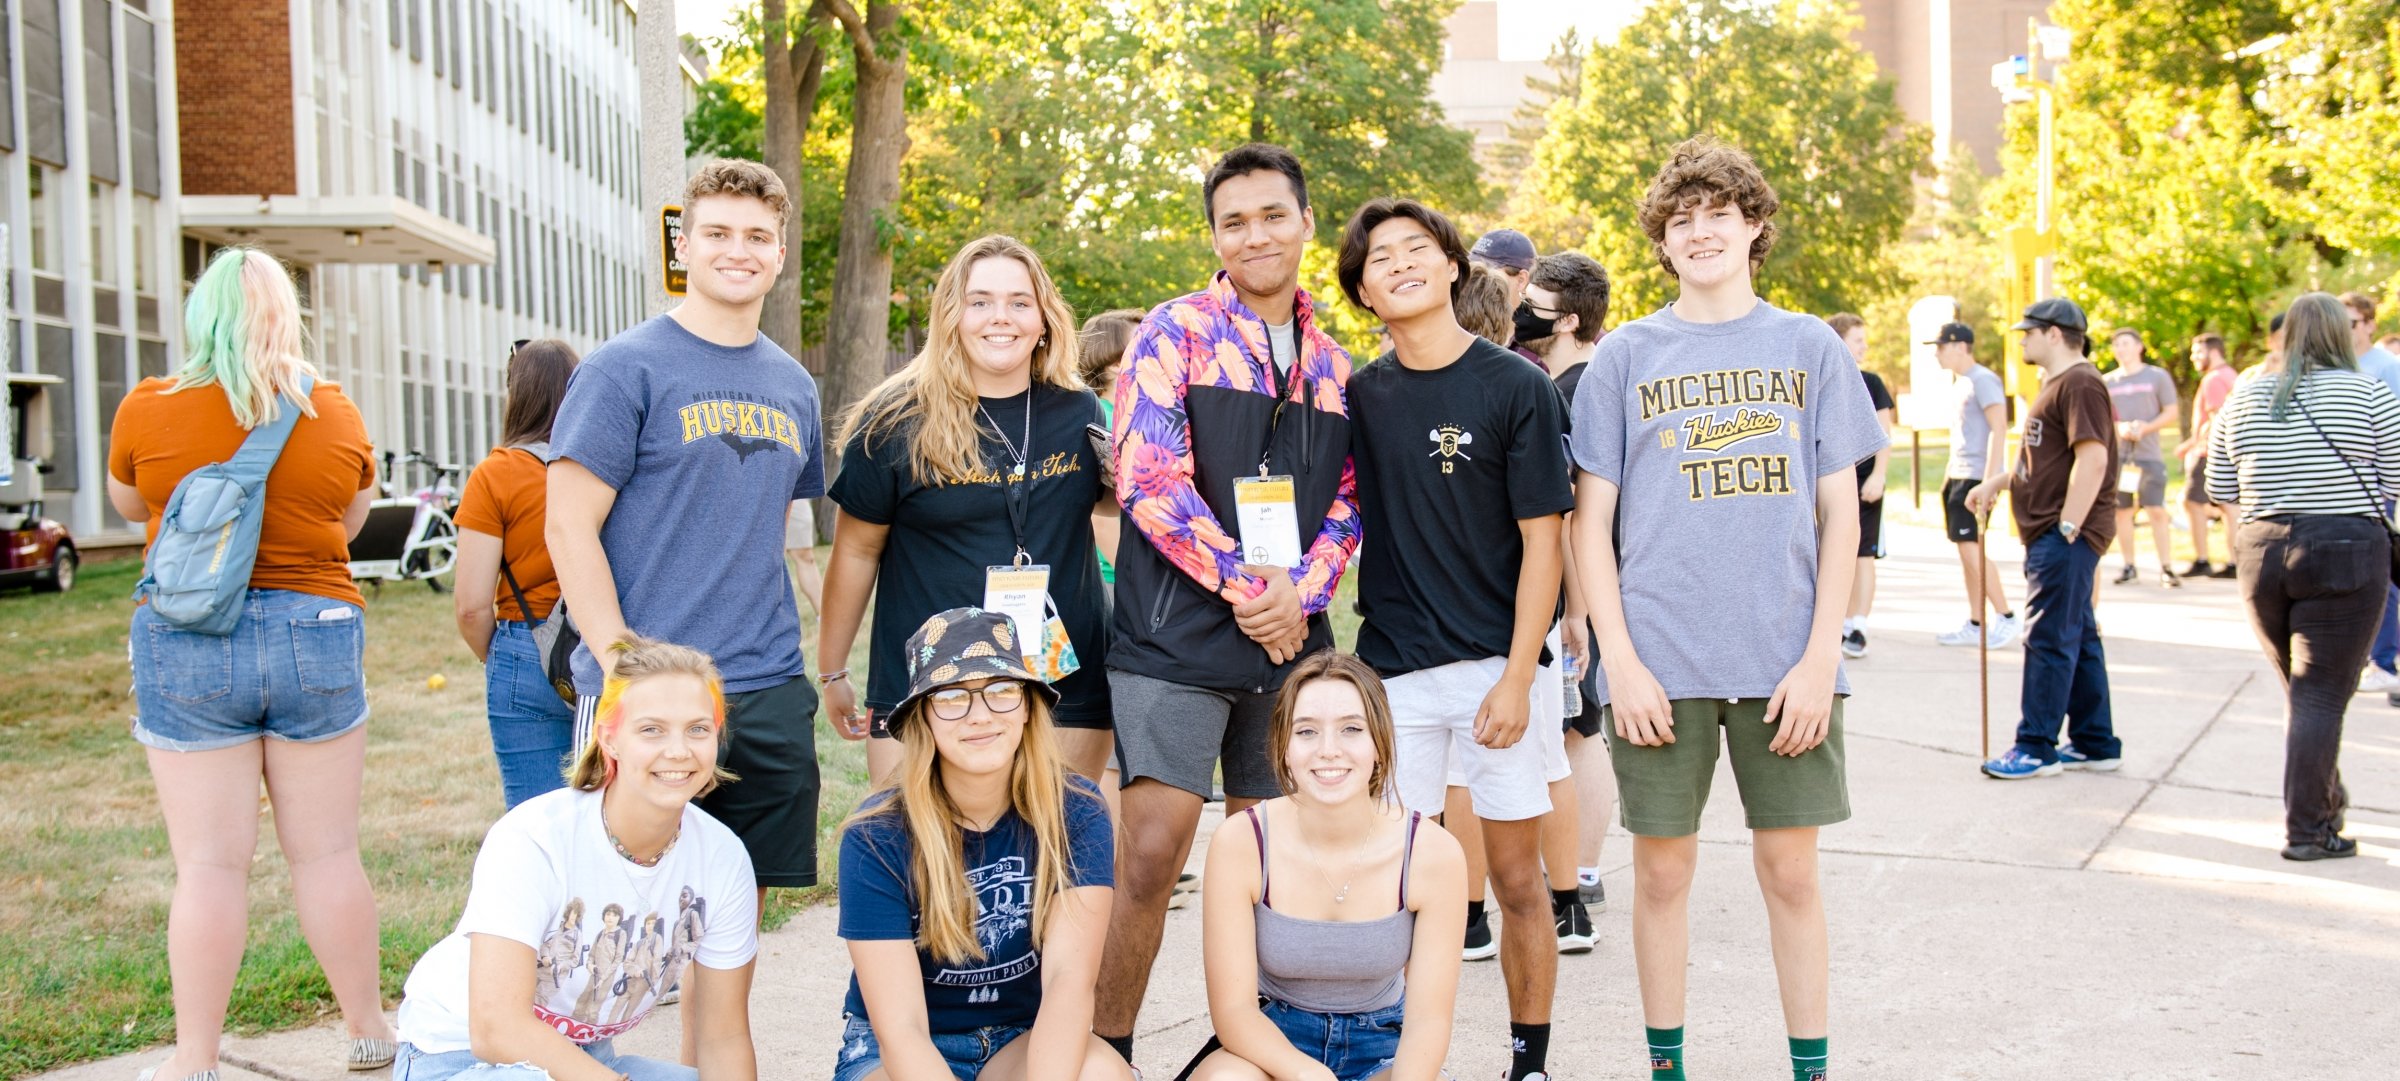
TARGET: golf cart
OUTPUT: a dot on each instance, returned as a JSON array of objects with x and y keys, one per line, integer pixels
[{"x": 33, "y": 549}]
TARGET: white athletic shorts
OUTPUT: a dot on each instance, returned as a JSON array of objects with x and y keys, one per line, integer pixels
[
  {"x": 1549, "y": 719},
  {"x": 1433, "y": 721}
]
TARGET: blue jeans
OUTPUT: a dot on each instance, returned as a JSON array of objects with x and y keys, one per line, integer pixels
[
  {"x": 2066, "y": 675},
  {"x": 2386, "y": 650},
  {"x": 533, "y": 730},
  {"x": 414, "y": 1065},
  {"x": 1353, "y": 1045},
  {"x": 293, "y": 668},
  {"x": 967, "y": 1053}
]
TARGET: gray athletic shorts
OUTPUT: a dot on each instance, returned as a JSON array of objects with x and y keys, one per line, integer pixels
[
  {"x": 1176, "y": 733},
  {"x": 2152, "y": 489}
]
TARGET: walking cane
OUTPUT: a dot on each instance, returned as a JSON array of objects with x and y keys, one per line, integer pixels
[{"x": 1983, "y": 636}]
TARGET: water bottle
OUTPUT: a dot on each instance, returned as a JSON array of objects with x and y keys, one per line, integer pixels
[{"x": 1572, "y": 667}]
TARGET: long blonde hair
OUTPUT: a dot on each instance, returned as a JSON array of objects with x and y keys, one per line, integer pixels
[
  {"x": 1037, "y": 791},
  {"x": 933, "y": 396},
  {"x": 638, "y": 659},
  {"x": 242, "y": 326}
]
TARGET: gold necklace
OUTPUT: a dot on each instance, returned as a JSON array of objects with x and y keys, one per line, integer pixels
[{"x": 1341, "y": 893}]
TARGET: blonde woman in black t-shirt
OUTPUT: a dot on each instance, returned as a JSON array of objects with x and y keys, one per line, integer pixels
[{"x": 972, "y": 457}]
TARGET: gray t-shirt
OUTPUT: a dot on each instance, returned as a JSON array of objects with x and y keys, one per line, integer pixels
[
  {"x": 2142, "y": 396},
  {"x": 707, "y": 446},
  {"x": 1971, "y": 437},
  {"x": 1715, "y": 435},
  {"x": 1280, "y": 345}
]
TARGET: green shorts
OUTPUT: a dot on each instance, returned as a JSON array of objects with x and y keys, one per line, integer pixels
[{"x": 1662, "y": 789}]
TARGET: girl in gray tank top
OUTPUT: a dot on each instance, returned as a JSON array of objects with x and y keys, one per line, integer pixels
[{"x": 1330, "y": 913}]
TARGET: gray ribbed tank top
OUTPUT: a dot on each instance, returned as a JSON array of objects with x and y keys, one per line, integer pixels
[{"x": 1333, "y": 966}]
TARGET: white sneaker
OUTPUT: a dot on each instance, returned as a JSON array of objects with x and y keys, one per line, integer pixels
[
  {"x": 1963, "y": 636},
  {"x": 2005, "y": 631},
  {"x": 2375, "y": 680}
]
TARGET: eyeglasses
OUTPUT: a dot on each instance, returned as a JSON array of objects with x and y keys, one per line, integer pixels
[
  {"x": 1546, "y": 313},
  {"x": 999, "y": 696}
]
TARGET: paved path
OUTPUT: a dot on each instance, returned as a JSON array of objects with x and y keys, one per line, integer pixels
[{"x": 2137, "y": 925}]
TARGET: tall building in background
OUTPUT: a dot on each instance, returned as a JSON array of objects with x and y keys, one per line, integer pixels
[
  {"x": 1476, "y": 89},
  {"x": 1940, "y": 54},
  {"x": 444, "y": 176}
]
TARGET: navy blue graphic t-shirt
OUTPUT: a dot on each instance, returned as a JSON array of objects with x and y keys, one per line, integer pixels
[
  {"x": 1004, "y": 987},
  {"x": 707, "y": 447}
]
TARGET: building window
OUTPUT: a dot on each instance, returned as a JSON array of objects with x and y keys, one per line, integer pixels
[
  {"x": 104, "y": 236},
  {"x": 45, "y": 84},
  {"x": 141, "y": 82},
  {"x": 49, "y": 213}
]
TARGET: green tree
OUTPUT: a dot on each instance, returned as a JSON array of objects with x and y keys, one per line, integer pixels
[
  {"x": 2333, "y": 88},
  {"x": 1782, "y": 81}
]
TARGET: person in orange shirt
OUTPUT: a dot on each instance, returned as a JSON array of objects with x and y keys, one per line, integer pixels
[
  {"x": 505, "y": 584},
  {"x": 283, "y": 696}
]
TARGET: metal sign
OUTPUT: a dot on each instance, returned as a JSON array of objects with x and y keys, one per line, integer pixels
[{"x": 670, "y": 231}]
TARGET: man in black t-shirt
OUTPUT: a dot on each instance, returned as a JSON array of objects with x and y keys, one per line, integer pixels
[
  {"x": 1462, "y": 483},
  {"x": 1870, "y": 489}
]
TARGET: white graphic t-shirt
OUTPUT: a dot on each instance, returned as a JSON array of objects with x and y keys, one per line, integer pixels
[{"x": 608, "y": 936}]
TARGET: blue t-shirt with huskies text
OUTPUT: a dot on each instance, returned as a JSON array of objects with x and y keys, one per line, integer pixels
[
  {"x": 1004, "y": 986},
  {"x": 707, "y": 446}
]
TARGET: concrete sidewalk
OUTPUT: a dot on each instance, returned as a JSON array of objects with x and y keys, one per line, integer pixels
[{"x": 2134, "y": 925}]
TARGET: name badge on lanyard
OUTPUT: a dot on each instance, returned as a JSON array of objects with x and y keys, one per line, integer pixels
[
  {"x": 1268, "y": 520},
  {"x": 1021, "y": 593}
]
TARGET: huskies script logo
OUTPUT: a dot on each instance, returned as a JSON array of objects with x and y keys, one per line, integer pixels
[
  {"x": 748, "y": 427},
  {"x": 1706, "y": 432},
  {"x": 1446, "y": 441}
]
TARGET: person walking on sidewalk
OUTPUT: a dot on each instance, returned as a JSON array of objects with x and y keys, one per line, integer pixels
[
  {"x": 2216, "y": 385},
  {"x": 1461, "y": 455},
  {"x": 2311, "y": 458},
  {"x": 1978, "y": 447},
  {"x": 1310, "y": 978},
  {"x": 280, "y": 699},
  {"x": 504, "y": 584},
  {"x": 2382, "y": 672},
  {"x": 2144, "y": 397},
  {"x": 2064, "y": 502},
  {"x": 1853, "y": 330},
  {"x": 975, "y": 884},
  {"x": 1718, "y": 440},
  {"x": 1232, "y": 439}
]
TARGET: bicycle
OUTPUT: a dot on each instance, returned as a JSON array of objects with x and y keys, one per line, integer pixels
[{"x": 411, "y": 537}]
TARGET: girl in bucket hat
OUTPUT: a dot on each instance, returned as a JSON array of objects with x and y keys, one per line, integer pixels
[{"x": 979, "y": 866}]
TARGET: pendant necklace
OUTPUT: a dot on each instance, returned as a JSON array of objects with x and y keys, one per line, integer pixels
[
  {"x": 1014, "y": 452},
  {"x": 1342, "y": 892}
]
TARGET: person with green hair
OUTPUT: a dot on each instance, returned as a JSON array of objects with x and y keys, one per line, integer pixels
[
  {"x": 282, "y": 698},
  {"x": 2309, "y": 458}
]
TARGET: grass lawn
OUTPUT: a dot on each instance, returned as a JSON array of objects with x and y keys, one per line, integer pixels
[{"x": 84, "y": 975}]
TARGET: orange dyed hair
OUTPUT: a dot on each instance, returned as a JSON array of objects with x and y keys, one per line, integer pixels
[{"x": 639, "y": 659}]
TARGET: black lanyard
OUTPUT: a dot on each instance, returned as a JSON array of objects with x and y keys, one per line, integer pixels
[
  {"x": 1284, "y": 397},
  {"x": 1017, "y": 490}
]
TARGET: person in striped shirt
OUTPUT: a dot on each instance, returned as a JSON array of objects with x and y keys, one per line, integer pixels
[{"x": 2310, "y": 458}]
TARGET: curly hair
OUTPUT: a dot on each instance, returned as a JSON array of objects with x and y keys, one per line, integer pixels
[
  {"x": 1707, "y": 171},
  {"x": 736, "y": 176}
]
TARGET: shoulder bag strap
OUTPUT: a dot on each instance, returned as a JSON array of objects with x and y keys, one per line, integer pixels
[
  {"x": 524, "y": 610},
  {"x": 265, "y": 443},
  {"x": 2374, "y": 500}
]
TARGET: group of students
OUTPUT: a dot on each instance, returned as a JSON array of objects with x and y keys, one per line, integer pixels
[{"x": 1702, "y": 461}]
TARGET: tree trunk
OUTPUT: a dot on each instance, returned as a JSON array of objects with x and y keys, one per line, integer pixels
[
  {"x": 859, "y": 337},
  {"x": 779, "y": 320}
]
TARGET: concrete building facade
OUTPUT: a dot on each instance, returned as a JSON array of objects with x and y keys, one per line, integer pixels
[
  {"x": 444, "y": 176},
  {"x": 1939, "y": 54}
]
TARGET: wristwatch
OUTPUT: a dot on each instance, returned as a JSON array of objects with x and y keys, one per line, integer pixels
[{"x": 2070, "y": 531}]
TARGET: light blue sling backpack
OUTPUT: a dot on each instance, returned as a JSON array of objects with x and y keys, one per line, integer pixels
[{"x": 197, "y": 573}]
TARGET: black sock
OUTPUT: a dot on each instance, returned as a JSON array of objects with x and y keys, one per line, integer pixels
[
  {"x": 1560, "y": 899},
  {"x": 2008, "y": 615},
  {"x": 1474, "y": 913},
  {"x": 1974, "y": 623},
  {"x": 1529, "y": 1050},
  {"x": 1122, "y": 1045}
]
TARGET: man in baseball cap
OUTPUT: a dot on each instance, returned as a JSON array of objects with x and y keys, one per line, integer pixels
[
  {"x": 1510, "y": 254},
  {"x": 2065, "y": 509},
  {"x": 1978, "y": 449}
]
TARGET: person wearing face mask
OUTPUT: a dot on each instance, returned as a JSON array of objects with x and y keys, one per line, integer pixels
[
  {"x": 1330, "y": 915},
  {"x": 976, "y": 883},
  {"x": 967, "y": 471}
]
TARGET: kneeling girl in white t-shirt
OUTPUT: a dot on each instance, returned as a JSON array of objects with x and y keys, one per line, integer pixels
[{"x": 591, "y": 901}]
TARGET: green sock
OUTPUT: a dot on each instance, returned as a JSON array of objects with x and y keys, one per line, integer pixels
[
  {"x": 1808, "y": 1058},
  {"x": 1666, "y": 1053}
]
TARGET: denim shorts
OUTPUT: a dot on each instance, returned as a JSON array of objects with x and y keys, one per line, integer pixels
[
  {"x": 414, "y": 1065},
  {"x": 292, "y": 669},
  {"x": 533, "y": 730},
  {"x": 967, "y": 1052},
  {"x": 1353, "y": 1045}
]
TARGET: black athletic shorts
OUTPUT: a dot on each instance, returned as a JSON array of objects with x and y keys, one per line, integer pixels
[
  {"x": 2195, "y": 485},
  {"x": 1957, "y": 520},
  {"x": 1870, "y": 528},
  {"x": 771, "y": 744}
]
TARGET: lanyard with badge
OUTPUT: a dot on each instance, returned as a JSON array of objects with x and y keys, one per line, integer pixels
[
  {"x": 1266, "y": 515},
  {"x": 1021, "y": 589}
]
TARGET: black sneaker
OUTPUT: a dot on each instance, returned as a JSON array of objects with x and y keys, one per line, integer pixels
[
  {"x": 1480, "y": 946},
  {"x": 2225, "y": 571},
  {"x": 1854, "y": 643},
  {"x": 2128, "y": 576},
  {"x": 2170, "y": 580},
  {"x": 2198, "y": 569},
  {"x": 1593, "y": 895},
  {"x": 2331, "y": 848},
  {"x": 1574, "y": 928}
]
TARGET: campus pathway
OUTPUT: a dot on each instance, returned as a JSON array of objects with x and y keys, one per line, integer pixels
[{"x": 2137, "y": 925}]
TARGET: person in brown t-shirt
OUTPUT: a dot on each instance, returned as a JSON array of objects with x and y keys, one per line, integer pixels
[
  {"x": 2065, "y": 509},
  {"x": 500, "y": 521}
]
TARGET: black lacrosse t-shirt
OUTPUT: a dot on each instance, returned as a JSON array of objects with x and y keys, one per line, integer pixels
[
  {"x": 943, "y": 536},
  {"x": 1449, "y": 460}
]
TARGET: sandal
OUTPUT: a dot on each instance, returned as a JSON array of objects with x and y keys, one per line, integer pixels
[
  {"x": 151, "y": 1074},
  {"x": 366, "y": 1054}
]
